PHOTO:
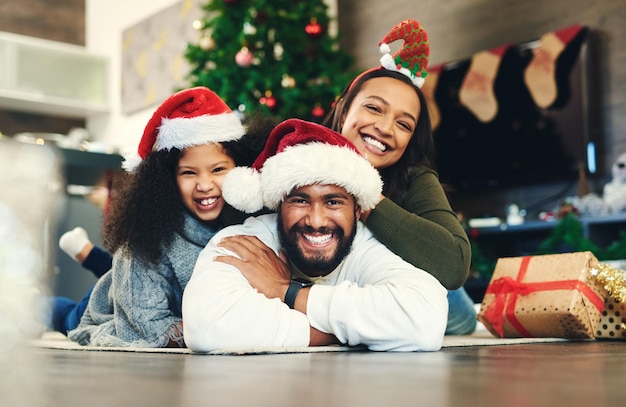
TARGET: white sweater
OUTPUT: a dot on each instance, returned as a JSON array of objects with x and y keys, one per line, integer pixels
[{"x": 372, "y": 298}]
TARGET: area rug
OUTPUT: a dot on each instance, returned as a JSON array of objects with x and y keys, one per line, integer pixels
[{"x": 481, "y": 337}]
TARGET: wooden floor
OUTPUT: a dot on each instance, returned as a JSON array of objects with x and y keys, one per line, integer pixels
[{"x": 569, "y": 374}]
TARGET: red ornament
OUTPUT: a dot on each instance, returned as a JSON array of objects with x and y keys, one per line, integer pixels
[
  {"x": 318, "y": 111},
  {"x": 313, "y": 29},
  {"x": 268, "y": 100}
]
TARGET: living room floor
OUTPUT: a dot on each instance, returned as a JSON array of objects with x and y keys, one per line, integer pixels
[{"x": 587, "y": 373}]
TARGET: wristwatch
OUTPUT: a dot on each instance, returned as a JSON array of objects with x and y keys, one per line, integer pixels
[{"x": 294, "y": 287}]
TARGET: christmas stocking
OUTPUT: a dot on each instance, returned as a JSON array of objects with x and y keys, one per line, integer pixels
[
  {"x": 539, "y": 76},
  {"x": 429, "y": 87},
  {"x": 476, "y": 91}
]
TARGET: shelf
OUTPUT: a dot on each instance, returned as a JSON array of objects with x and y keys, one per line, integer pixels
[
  {"x": 50, "y": 77},
  {"x": 524, "y": 239}
]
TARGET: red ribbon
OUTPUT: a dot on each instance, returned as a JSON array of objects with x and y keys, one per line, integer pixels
[{"x": 507, "y": 290}]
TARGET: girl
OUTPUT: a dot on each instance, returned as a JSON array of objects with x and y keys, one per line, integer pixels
[
  {"x": 384, "y": 113},
  {"x": 164, "y": 213}
]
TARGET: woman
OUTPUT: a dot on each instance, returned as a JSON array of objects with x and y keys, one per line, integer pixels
[{"x": 384, "y": 113}]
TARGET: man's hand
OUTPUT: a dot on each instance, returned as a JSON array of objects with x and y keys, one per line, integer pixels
[{"x": 264, "y": 270}]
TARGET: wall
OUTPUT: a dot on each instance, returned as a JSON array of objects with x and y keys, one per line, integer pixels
[{"x": 459, "y": 28}]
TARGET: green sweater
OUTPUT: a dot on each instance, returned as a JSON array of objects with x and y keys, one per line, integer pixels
[{"x": 423, "y": 230}]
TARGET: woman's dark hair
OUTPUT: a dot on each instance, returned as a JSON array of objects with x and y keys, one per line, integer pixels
[
  {"x": 147, "y": 209},
  {"x": 421, "y": 148}
]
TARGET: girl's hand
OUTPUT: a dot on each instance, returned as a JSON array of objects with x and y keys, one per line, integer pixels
[{"x": 264, "y": 270}]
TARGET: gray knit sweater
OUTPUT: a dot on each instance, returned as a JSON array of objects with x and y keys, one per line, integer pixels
[{"x": 139, "y": 304}]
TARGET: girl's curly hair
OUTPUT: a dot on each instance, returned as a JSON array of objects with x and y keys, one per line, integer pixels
[{"x": 146, "y": 208}]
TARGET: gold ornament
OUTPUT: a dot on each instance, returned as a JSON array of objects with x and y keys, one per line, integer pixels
[
  {"x": 288, "y": 81},
  {"x": 206, "y": 43},
  {"x": 614, "y": 281}
]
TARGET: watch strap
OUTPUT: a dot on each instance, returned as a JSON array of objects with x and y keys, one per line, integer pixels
[{"x": 294, "y": 288}]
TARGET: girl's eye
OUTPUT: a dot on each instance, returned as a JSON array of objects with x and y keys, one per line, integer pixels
[
  {"x": 406, "y": 126},
  {"x": 219, "y": 169}
]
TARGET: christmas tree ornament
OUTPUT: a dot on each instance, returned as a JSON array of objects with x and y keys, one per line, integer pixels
[
  {"x": 540, "y": 74},
  {"x": 318, "y": 111},
  {"x": 477, "y": 91},
  {"x": 412, "y": 59},
  {"x": 244, "y": 57},
  {"x": 268, "y": 100},
  {"x": 288, "y": 82},
  {"x": 206, "y": 43},
  {"x": 429, "y": 88},
  {"x": 313, "y": 29}
]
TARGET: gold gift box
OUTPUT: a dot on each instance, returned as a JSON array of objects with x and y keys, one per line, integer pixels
[{"x": 545, "y": 296}]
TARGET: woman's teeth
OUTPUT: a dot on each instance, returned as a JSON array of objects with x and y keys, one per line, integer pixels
[{"x": 375, "y": 143}]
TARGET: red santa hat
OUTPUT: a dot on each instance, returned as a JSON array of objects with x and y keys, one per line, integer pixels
[
  {"x": 299, "y": 153},
  {"x": 412, "y": 59},
  {"x": 188, "y": 118}
]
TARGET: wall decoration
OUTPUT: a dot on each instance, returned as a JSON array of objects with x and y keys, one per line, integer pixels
[{"x": 153, "y": 55}]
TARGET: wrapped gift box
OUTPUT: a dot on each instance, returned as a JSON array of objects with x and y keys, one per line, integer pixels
[
  {"x": 549, "y": 296},
  {"x": 612, "y": 323},
  {"x": 613, "y": 320}
]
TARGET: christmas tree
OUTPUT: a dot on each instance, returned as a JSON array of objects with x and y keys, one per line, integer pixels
[{"x": 276, "y": 57}]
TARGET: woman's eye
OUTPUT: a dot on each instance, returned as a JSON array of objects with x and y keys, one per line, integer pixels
[{"x": 373, "y": 108}]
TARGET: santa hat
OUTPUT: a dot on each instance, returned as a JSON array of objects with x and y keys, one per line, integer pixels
[
  {"x": 412, "y": 59},
  {"x": 188, "y": 118},
  {"x": 299, "y": 153}
]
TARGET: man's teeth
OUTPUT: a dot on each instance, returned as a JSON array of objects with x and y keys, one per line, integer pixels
[
  {"x": 373, "y": 142},
  {"x": 318, "y": 239},
  {"x": 208, "y": 201}
]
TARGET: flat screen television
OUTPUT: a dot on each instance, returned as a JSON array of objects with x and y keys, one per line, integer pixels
[{"x": 524, "y": 144}]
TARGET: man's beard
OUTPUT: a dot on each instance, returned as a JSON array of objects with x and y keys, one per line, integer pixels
[{"x": 318, "y": 265}]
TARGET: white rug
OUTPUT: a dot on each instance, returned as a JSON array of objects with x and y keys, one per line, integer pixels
[{"x": 481, "y": 337}]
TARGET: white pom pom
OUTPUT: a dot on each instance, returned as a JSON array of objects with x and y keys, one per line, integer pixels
[
  {"x": 419, "y": 81},
  {"x": 388, "y": 63},
  {"x": 131, "y": 162},
  {"x": 384, "y": 48},
  {"x": 242, "y": 189}
]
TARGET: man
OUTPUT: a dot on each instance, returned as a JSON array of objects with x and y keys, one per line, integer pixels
[{"x": 356, "y": 291}]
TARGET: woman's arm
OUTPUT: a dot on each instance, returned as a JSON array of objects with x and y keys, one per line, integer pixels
[{"x": 424, "y": 230}]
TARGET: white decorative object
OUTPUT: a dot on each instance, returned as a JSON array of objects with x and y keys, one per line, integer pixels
[{"x": 50, "y": 77}]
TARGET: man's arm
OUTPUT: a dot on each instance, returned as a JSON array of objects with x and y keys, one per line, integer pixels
[
  {"x": 222, "y": 310},
  {"x": 269, "y": 273}
]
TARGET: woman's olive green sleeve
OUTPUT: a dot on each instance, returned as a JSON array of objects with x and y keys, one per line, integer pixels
[{"x": 423, "y": 230}]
